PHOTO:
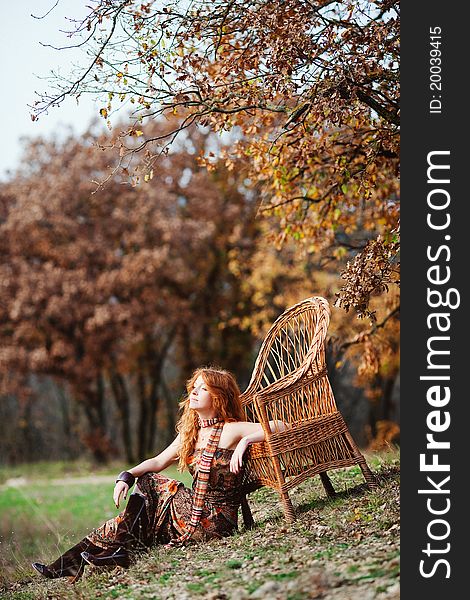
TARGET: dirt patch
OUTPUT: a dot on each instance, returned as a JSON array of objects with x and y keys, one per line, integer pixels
[{"x": 17, "y": 482}]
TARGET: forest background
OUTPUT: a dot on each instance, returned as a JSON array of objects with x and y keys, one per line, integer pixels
[{"x": 250, "y": 160}]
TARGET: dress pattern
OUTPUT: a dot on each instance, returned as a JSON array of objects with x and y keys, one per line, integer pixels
[{"x": 168, "y": 503}]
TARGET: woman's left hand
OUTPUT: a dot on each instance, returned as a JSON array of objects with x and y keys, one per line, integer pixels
[
  {"x": 237, "y": 456},
  {"x": 120, "y": 492}
]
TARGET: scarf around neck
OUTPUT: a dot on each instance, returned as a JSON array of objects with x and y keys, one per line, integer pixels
[
  {"x": 209, "y": 422},
  {"x": 202, "y": 480}
]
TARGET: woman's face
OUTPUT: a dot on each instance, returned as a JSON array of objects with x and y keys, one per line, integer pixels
[{"x": 199, "y": 397}]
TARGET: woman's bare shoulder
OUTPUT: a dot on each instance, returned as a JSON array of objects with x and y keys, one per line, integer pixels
[
  {"x": 241, "y": 426},
  {"x": 234, "y": 430},
  {"x": 231, "y": 424},
  {"x": 247, "y": 427}
]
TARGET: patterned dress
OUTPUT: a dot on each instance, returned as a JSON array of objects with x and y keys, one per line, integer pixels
[{"x": 169, "y": 501}]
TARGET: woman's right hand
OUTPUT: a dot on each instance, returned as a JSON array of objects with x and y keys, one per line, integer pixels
[
  {"x": 237, "y": 456},
  {"x": 120, "y": 492}
]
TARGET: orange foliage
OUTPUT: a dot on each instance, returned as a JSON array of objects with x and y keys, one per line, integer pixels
[{"x": 101, "y": 286}]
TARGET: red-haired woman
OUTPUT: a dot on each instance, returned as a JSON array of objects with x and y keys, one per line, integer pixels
[{"x": 211, "y": 441}]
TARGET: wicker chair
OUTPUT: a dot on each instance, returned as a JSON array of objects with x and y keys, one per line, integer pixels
[{"x": 290, "y": 384}]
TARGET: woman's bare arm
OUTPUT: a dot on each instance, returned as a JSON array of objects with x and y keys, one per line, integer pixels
[
  {"x": 151, "y": 465},
  {"x": 160, "y": 462},
  {"x": 254, "y": 432},
  {"x": 249, "y": 434}
]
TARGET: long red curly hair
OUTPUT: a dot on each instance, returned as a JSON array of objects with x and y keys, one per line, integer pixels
[{"x": 225, "y": 396}]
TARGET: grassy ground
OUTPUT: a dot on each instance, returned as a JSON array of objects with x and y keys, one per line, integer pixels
[
  {"x": 46, "y": 508},
  {"x": 345, "y": 548}
]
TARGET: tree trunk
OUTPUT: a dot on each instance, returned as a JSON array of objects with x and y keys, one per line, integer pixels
[
  {"x": 154, "y": 402},
  {"x": 27, "y": 429},
  {"x": 170, "y": 413},
  {"x": 66, "y": 421},
  {"x": 93, "y": 401},
  {"x": 145, "y": 413},
  {"x": 121, "y": 397},
  {"x": 187, "y": 359},
  {"x": 155, "y": 360},
  {"x": 387, "y": 400},
  {"x": 96, "y": 439}
]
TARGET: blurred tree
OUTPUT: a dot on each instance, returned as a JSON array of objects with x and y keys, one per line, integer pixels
[
  {"x": 309, "y": 88},
  {"x": 101, "y": 290}
]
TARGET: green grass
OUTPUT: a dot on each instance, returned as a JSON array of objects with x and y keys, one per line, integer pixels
[
  {"x": 42, "y": 518},
  {"x": 52, "y": 470},
  {"x": 350, "y": 541}
]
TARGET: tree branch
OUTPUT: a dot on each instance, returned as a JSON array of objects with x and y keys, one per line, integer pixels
[{"x": 359, "y": 337}]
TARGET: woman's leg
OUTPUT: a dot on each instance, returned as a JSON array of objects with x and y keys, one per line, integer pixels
[
  {"x": 69, "y": 564},
  {"x": 102, "y": 541},
  {"x": 132, "y": 535},
  {"x": 145, "y": 521}
]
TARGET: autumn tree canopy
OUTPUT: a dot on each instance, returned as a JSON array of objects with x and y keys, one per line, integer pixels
[
  {"x": 106, "y": 291},
  {"x": 100, "y": 286},
  {"x": 310, "y": 89}
]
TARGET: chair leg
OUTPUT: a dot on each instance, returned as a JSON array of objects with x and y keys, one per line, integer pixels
[
  {"x": 371, "y": 481},
  {"x": 286, "y": 501},
  {"x": 329, "y": 489},
  {"x": 288, "y": 508}
]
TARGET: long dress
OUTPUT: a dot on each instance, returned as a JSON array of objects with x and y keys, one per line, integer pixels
[{"x": 168, "y": 503}]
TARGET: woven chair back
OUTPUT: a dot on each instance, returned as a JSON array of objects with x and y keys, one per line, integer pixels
[{"x": 293, "y": 352}]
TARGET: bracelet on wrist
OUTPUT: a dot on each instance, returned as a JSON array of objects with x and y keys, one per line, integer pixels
[{"x": 126, "y": 477}]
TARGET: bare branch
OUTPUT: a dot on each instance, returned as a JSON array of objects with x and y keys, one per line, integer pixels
[
  {"x": 47, "y": 13},
  {"x": 359, "y": 338}
]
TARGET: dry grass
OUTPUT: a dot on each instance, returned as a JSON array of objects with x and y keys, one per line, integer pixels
[{"x": 345, "y": 548}]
